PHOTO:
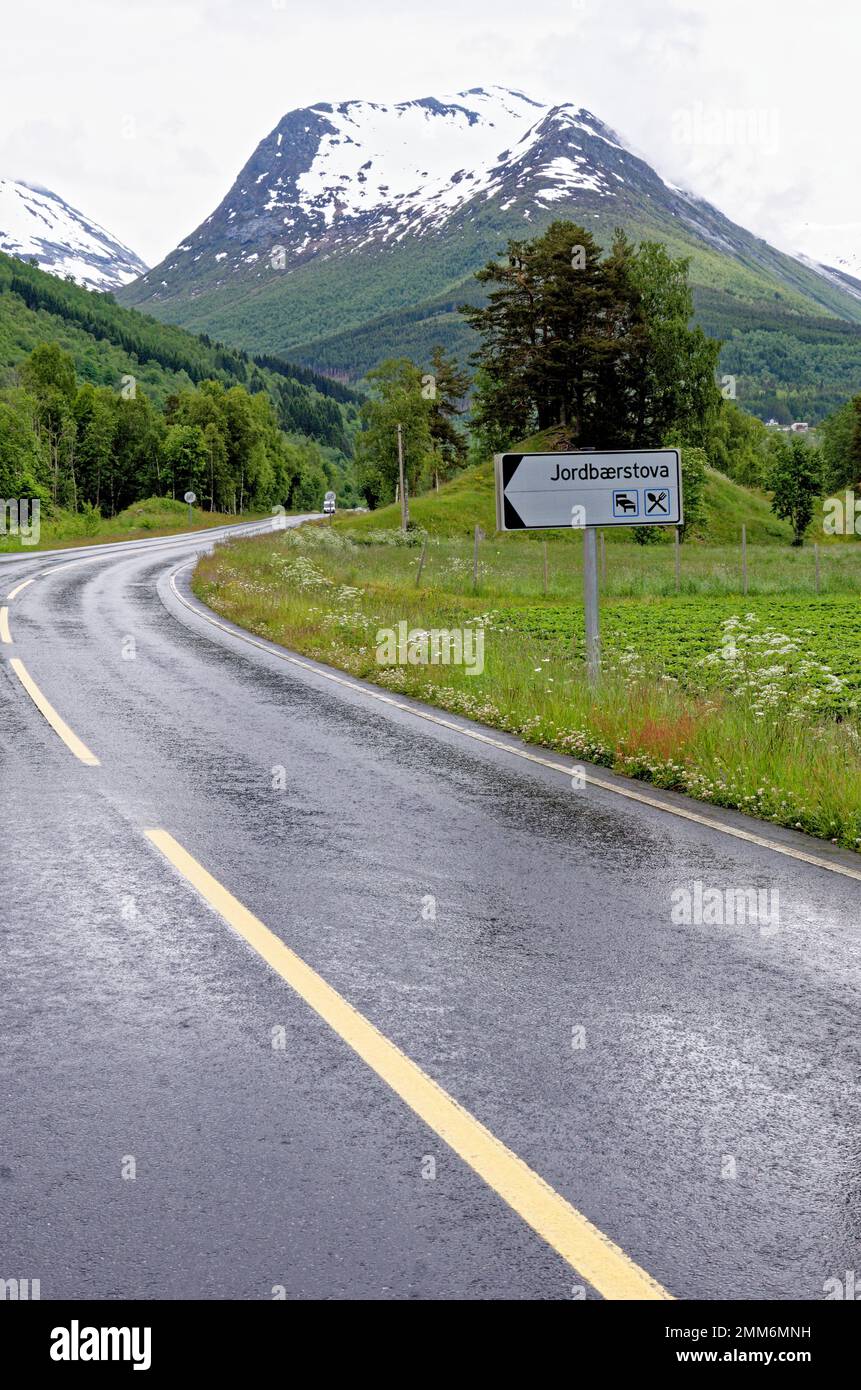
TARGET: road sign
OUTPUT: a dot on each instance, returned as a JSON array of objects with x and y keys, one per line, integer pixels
[
  {"x": 587, "y": 488},
  {"x": 330, "y": 497},
  {"x": 594, "y": 487},
  {"x": 190, "y": 497}
]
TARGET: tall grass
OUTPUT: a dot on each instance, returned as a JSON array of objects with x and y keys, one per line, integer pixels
[
  {"x": 512, "y": 567},
  {"x": 320, "y": 594}
]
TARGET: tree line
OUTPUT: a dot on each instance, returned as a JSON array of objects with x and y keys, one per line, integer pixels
[
  {"x": 306, "y": 402},
  {"x": 75, "y": 445},
  {"x": 589, "y": 348}
]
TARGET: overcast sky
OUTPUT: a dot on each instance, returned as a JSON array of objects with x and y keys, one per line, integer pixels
[{"x": 142, "y": 113}]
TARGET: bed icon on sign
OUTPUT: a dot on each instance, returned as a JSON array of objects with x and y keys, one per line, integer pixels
[{"x": 626, "y": 503}]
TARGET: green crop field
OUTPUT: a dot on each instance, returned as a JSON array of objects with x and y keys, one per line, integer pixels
[{"x": 678, "y": 637}]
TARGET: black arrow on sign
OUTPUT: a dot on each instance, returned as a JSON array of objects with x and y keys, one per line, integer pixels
[{"x": 511, "y": 516}]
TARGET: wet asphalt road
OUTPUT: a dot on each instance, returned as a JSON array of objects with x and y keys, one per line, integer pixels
[{"x": 710, "y": 1126}]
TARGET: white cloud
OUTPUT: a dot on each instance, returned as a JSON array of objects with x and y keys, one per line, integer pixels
[{"x": 142, "y": 114}]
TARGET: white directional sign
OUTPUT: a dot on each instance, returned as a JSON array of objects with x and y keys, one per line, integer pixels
[{"x": 595, "y": 487}]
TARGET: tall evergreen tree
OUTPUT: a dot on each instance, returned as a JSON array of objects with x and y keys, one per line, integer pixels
[{"x": 601, "y": 348}]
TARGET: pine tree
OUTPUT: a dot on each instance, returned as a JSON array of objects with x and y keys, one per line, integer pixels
[{"x": 600, "y": 348}]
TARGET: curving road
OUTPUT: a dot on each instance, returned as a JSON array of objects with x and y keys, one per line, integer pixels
[{"x": 190, "y": 1110}]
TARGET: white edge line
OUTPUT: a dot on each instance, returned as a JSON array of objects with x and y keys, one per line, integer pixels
[
  {"x": 748, "y": 836},
  {"x": 18, "y": 587}
]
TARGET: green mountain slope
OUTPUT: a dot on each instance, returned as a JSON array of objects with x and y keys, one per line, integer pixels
[{"x": 109, "y": 342}]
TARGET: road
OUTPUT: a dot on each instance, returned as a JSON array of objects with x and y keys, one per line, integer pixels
[{"x": 313, "y": 994}]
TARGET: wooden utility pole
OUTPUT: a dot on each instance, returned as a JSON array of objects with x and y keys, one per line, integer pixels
[
  {"x": 405, "y": 510},
  {"x": 744, "y": 559}
]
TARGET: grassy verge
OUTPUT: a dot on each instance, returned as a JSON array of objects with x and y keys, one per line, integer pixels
[
  {"x": 745, "y": 702},
  {"x": 157, "y": 516}
]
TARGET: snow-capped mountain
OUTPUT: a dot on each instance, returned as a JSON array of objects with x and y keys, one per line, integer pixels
[
  {"x": 332, "y": 178},
  {"x": 825, "y": 247},
  {"x": 35, "y": 223},
  {"x": 389, "y": 171},
  {"x": 349, "y": 214}
]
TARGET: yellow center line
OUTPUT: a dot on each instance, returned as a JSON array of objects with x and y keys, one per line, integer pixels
[
  {"x": 71, "y": 740},
  {"x": 5, "y": 634},
  {"x": 17, "y": 590},
  {"x": 592, "y": 1254}
]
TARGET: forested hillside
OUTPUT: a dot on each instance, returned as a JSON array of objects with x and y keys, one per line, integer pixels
[
  {"x": 108, "y": 342},
  {"x": 101, "y": 406}
]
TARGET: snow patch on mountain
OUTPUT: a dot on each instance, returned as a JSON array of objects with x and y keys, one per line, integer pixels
[
  {"x": 415, "y": 163},
  {"x": 37, "y": 224},
  {"x": 832, "y": 250},
  {"x": 844, "y": 280}
]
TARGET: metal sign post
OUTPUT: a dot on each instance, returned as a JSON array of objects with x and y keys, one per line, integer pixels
[
  {"x": 590, "y": 599},
  {"x": 589, "y": 488},
  {"x": 190, "y": 498}
]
